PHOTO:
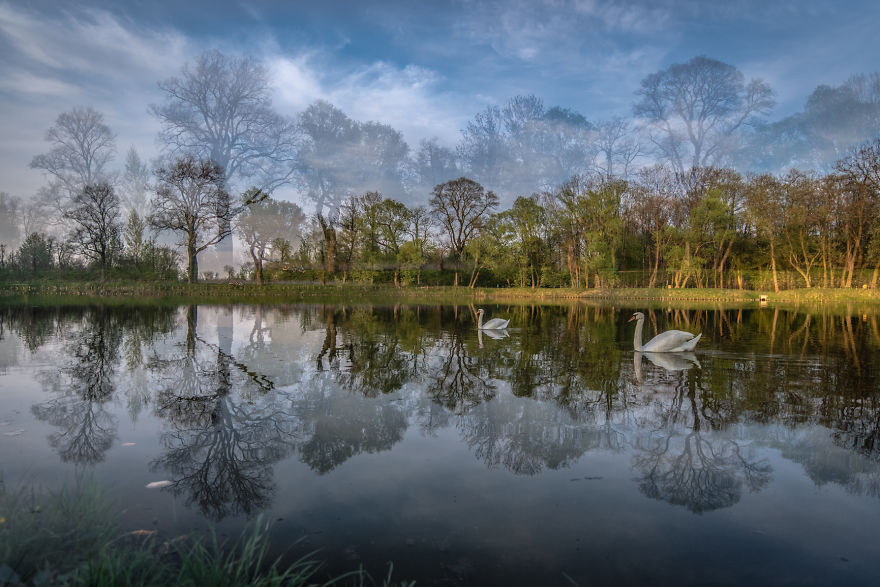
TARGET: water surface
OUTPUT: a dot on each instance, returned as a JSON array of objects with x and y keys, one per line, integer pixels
[{"x": 548, "y": 454}]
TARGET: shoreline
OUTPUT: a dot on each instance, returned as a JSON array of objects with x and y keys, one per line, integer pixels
[{"x": 303, "y": 292}]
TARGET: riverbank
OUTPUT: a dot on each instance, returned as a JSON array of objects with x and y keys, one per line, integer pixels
[{"x": 239, "y": 292}]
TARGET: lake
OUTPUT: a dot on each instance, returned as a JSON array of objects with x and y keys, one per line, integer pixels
[{"x": 550, "y": 453}]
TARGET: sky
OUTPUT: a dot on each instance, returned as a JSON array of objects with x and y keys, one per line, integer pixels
[{"x": 423, "y": 67}]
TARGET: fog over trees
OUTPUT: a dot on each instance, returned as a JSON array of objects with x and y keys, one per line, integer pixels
[{"x": 694, "y": 185}]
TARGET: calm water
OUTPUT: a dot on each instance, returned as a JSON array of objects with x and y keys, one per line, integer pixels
[{"x": 396, "y": 433}]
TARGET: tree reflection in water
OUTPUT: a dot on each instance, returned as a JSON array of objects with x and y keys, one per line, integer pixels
[
  {"x": 560, "y": 386},
  {"x": 89, "y": 338},
  {"x": 227, "y": 427}
]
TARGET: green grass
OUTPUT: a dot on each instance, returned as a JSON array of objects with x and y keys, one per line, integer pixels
[{"x": 73, "y": 537}]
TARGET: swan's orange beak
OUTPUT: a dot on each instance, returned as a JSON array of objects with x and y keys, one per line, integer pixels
[{"x": 631, "y": 319}]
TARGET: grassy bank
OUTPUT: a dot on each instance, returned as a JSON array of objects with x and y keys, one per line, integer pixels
[
  {"x": 73, "y": 537},
  {"x": 335, "y": 292}
]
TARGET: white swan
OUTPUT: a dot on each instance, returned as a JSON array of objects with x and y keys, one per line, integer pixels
[
  {"x": 671, "y": 341},
  {"x": 493, "y": 324}
]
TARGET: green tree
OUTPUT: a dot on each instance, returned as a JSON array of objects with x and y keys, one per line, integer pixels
[
  {"x": 461, "y": 207},
  {"x": 263, "y": 222}
]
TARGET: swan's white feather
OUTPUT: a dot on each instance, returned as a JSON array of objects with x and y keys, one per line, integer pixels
[
  {"x": 672, "y": 341},
  {"x": 496, "y": 324}
]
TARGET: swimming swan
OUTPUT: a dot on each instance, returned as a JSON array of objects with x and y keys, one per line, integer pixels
[
  {"x": 671, "y": 341},
  {"x": 493, "y": 324}
]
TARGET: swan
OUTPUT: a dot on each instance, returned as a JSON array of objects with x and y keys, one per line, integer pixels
[
  {"x": 671, "y": 341},
  {"x": 493, "y": 324}
]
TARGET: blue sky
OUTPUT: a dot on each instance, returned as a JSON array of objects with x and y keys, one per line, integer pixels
[{"x": 424, "y": 67}]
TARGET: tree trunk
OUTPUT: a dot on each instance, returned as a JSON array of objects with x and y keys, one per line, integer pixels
[
  {"x": 193, "y": 266},
  {"x": 773, "y": 265},
  {"x": 330, "y": 246},
  {"x": 258, "y": 267}
]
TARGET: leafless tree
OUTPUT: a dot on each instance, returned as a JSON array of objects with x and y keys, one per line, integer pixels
[
  {"x": 617, "y": 146},
  {"x": 694, "y": 109},
  {"x": 82, "y": 145},
  {"x": 220, "y": 109},
  {"x": 191, "y": 199},
  {"x": 95, "y": 216}
]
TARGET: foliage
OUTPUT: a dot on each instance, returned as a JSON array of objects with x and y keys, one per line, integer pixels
[{"x": 73, "y": 537}]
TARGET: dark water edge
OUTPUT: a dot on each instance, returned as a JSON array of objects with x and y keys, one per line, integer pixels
[{"x": 380, "y": 433}]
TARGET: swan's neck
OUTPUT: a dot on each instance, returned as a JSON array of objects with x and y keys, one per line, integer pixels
[
  {"x": 637, "y": 337},
  {"x": 479, "y": 320}
]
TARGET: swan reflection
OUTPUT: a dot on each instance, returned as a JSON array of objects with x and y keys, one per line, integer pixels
[
  {"x": 668, "y": 361},
  {"x": 257, "y": 385},
  {"x": 493, "y": 334}
]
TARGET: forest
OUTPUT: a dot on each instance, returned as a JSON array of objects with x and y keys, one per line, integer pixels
[{"x": 696, "y": 189}]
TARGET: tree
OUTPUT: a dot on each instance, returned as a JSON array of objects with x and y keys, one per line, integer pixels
[
  {"x": 191, "y": 199},
  {"x": 435, "y": 163},
  {"x": 9, "y": 219},
  {"x": 653, "y": 207},
  {"x": 527, "y": 224},
  {"x": 265, "y": 225},
  {"x": 460, "y": 207},
  {"x": 617, "y": 147},
  {"x": 592, "y": 211},
  {"x": 483, "y": 148},
  {"x": 36, "y": 252},
  {"x": 133, "y": 236},
  {"x": 135, "y": 183},
  {"x": 82, "y": 145},
  {"x": 221, "y": 109},
  {"x": 341, "y": 157},
  {"x": 764, "y": 201},
  {"x": 694, "y": 109},
  {"x": 861, "y": 175},
  {"x": 95, "y": 215}
]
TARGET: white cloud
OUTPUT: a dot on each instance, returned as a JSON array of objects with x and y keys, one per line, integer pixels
[
  {"x": 88, "y": 58},
  {"x": 410, "y": 99},
  {"x": 23, "y": 82}
]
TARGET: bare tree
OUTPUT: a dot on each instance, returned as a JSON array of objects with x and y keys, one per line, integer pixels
[
  {"x": 95, "y": 215},
  {"x": 191, "y": 199},
  {"x": 617, "y": 145},
  {"x": 695, "y": 109},
  {"x": 220, "y": 109},
  {"x": 82, "y": 145}
]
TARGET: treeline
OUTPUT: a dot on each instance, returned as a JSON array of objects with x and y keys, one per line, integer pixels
[
  {"x": 657, "y": 199},
  {"x": 707, "y": 227}
]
